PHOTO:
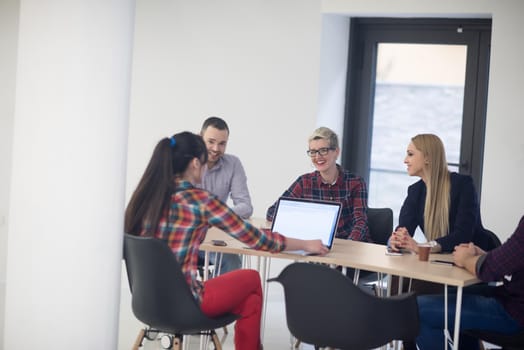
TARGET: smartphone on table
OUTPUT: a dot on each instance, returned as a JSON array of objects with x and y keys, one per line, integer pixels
[
  {"x": 390, "y": 251},
  {"x": 218, "y": 242}
]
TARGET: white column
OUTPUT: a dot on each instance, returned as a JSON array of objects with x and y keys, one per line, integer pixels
[{"x": 67, "y": 194}]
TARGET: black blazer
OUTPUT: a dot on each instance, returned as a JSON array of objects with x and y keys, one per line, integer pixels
[{"x": 464, "y": 213}]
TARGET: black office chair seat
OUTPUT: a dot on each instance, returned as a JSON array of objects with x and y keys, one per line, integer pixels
[{"x": 161, "y": 297}]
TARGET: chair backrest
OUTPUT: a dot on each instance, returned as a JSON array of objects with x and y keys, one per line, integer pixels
[
  {"x": 324, "y": 308},
  {"x": 494, "y": 240},
  {"x": 161, "y": 297},
  {"x": 380, "y": 224}
]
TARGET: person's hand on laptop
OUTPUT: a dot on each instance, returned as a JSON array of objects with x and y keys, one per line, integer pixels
[{"x": 314, "y": 246}]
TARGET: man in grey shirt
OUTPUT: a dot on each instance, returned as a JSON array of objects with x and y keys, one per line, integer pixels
[{"x": 225, "y": 177}]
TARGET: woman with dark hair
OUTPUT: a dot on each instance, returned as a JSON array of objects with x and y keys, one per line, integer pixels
[{"x": 167, "y": 206}]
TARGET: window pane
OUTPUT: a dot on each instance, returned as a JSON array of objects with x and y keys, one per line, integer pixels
[{"x": 419, "y": 89}]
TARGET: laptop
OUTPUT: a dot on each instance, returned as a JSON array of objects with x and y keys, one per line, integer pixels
[{"x": 307, "y": 219}]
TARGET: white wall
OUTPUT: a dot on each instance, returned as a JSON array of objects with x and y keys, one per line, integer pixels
[
  {"x": 8, "y": 44},
  {"x": 255, "y": 63},
  {"x": 333, "y": 73},
  {"x": 68, "y": 147}
]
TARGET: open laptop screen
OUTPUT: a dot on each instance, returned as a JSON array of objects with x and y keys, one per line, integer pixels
[{"x": 307, "y": 219}]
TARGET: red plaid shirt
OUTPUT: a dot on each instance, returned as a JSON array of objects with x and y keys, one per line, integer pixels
[
  {"x": 190, "y": 214},
  {"x": 349, "y": 189}
]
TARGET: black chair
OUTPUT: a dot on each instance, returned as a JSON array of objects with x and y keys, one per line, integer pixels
[
  {"x": 494, "y": 240},
  {"x": 325, "y": 309},
  {"x": 161, "y": 297},
  {"x": 380, "y": 224}
]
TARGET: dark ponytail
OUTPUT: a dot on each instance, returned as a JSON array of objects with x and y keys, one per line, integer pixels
[
  {"x": 185, "y": 147},
  {"x": 170, "y": 158}
]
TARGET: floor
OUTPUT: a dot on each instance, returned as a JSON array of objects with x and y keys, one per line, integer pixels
[{"x": 276, "y": 335}]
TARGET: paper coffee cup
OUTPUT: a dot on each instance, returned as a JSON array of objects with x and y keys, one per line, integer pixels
[{"x": 423, "y": 251}]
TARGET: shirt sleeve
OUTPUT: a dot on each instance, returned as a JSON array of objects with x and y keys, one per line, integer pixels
[
  {"x": 408, "y": 216},
  {"x": 240, "y": 193},
  {"x": 221, "y": 216},
  {"x": 504, "y": 260},
  {"x": 295, "y": 190},
  {"x": 359, "y": 196}
]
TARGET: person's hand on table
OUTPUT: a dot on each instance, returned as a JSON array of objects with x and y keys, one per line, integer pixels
[
  {"x": 401, "y": 239},
  {"x": 465, "y": 251},
  {"x": 316, "y": 246}
]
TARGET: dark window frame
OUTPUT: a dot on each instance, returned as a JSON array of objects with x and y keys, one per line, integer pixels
[{"x": 365, "y": 33}]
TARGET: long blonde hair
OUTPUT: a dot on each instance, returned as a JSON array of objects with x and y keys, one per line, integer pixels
[{"x": 436, "y": 211}]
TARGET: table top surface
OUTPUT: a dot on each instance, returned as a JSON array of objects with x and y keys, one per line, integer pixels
[{"x": 358, "y": 255}]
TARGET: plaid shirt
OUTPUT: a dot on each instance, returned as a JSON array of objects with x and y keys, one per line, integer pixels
[
  {"x": 348, "y": 189},
  {"x": 185, "y": 223},
  {"x": 506, "y": 263}
]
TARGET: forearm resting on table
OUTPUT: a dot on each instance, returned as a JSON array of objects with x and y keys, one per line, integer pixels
[
  {"x": 295, "y": 244},
  {"x": 310, "y": 245},
  {"x": 469, "y": 263}
]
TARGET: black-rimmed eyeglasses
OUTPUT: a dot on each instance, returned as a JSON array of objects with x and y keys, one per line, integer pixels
[{"x": 321, "y": 151}]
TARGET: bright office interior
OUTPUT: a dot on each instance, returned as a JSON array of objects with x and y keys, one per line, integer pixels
[{"x": 87, "y": 88}]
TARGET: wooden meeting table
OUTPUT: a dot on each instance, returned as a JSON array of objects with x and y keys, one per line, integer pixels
[{"x": 359, "y": 256}]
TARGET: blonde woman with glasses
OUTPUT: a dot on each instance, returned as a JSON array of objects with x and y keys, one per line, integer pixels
[{"x": 330, "y": 182}]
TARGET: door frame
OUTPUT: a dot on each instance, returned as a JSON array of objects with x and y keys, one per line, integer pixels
[{"x": 365, "y": 34}]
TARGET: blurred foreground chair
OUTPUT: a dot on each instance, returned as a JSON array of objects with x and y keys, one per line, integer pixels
[
  {"x": 161, "y": 297},
  {"x": 325, "y": 309}
]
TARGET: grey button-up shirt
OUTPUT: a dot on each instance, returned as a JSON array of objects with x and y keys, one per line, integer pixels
[{"x": 228, "y": 178}]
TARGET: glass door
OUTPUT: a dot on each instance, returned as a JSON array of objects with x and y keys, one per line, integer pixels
[{"x": 419, "y": 88}]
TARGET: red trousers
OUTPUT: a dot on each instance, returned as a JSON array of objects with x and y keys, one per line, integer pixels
[{"x": 238, "y": 292}]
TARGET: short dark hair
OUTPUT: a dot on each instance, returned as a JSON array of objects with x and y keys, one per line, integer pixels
[{"x": 215, "y": 122}]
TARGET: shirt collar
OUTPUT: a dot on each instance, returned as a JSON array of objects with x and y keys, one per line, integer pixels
[
  {"x": 337, "y": 181},
  {"x": 217, "y": 166},
  {"x": 183, "y": 184}
]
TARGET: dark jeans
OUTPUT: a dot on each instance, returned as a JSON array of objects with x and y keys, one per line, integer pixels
[{"x": 479, "y": 311}]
